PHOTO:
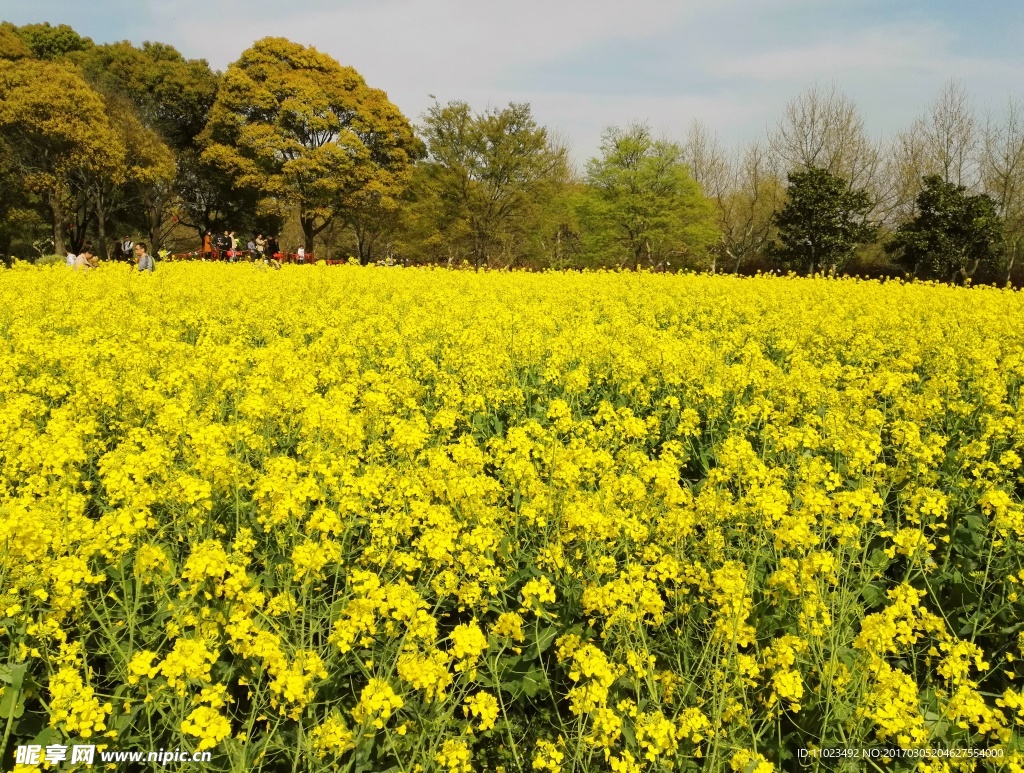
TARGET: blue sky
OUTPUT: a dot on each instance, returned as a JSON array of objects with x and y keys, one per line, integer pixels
[{"x": 585, "y": 64}]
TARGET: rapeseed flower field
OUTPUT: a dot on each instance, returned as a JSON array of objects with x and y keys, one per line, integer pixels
[{"x": 368, "y": 519}]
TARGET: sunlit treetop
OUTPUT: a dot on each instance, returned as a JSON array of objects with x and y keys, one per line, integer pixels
[{"x": 302, "y": 130}]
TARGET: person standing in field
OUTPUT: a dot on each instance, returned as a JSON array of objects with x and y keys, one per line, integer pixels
[
  {"x": 69, "y": 259},
  {"x": 261, "y": 246},
  {"x": 126, "y": 248},
  {"x": 207, "y": 246},
  {"x": 144, "y": 261},
  {"x": 223, "y": 245},
  {"x": 274, "y": 250}
]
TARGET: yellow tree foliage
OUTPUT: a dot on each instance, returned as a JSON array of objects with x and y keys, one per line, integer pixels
[
  {"x": 55, "y": 127},
  {"x": 146, "y": 174},
  {"x": 11, "y": 46},
  {"x": 306, "y": 133}
]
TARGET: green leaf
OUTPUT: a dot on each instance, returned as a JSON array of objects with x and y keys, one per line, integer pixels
[
  {"x": 11, "y": 704},
  {"x": 14, "y": 675},
  {"x": 879, "y": 560},
  {"x": 533, "y": 682},
  {"x": 123, "y": 721},
  {"x": 873, "y": 595},
  {"x": 31, "y": 723},
  {"x": 542, "y": 641},
  {"x": 524, "y": 680},
  {"x": 47, "y": 736}
]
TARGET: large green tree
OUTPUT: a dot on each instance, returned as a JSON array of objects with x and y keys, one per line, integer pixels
[
  {"x": 644, "y": 207},
  {"x": 165, "y": 100},
  {"x": 171, "y": 94},
  {"x": 307, "y": 134},
  {"x": 488, "y": 179},
  {"x": 54, "y": 127},
  {"x": 124, "y": 195},
  {"x": 49, "y": 42},
  {"x": 951, "y": 234},
  {"x": 823, "y": 222}
]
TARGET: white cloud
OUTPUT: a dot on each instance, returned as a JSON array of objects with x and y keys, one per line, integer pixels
[
  {"x": 416, "y": 39},
  {"x": 586, "y": 64},
  {"x": 899, "y": 51}
]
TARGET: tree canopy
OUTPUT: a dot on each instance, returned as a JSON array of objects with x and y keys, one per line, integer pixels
[
  {"x": 951, "y": 233},
  {"x": 303, "y": 131},
  {"x": 11, "y": 44},
  {"x": 644, "y": 207},
  {"x": 171, "y": 94},
  {"x": 48, "y": 42},
  {"x": 54, "y": 126},
  {"x": 823, "y": 222},
  {"x": 487, "y": 176}
]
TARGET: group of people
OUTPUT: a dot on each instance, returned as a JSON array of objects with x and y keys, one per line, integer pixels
[
  {"x": 137, "y": 254},
  {"x": 227, "y": 245},
  {"x": 222, "y": 246}
]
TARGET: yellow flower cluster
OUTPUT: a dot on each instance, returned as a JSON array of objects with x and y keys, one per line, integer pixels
[
  {"x": 377, "y": 703},
  {"x": 74, "y": 707},
  {"x": 373, "y": 519},
  {"x": 208, "y": 725},
  {"x": 483, "y": 706},
  {"x": 332, "y": 737},
  {"x": 455, "y": 756}
]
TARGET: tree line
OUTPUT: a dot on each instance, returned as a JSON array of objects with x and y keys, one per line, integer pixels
[{"x": 100, "y": 139}]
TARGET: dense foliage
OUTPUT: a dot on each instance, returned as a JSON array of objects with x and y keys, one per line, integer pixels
[
  {"x": 823, "y": 222},
  {"x": 308, "y": 135},
  {"x": 387, "y": 519},
  {"x": 951, "y": 234},
  {"x": 292, "y": 143}
]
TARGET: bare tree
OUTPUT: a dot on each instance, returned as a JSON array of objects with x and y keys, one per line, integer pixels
[
  {"x": 750, "y": 209},
  {"x": 746, "y": 187},
  {"x": 713, "y": 171},
  {"x": 751, "y": 193},
  {"x": 707, "y": 161},
  {"x": 951, "y": 136},
  {"x": 1002, "y": 176},
  {"x": 907, "y": 163},
  {"x": 942, "y": 141},
  {"x": 824, "y": 129}
]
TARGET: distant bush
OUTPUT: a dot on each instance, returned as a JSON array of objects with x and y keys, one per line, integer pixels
[{"x": 50, "y": 260}]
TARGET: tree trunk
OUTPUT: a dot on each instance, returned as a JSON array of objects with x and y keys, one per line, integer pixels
[
  {"x": 101, "y": 234},
  {"x": 155, "y": 216},
  {"x": 101, "y": 224},
  {"x": 57, "y": 210},
  {"x": 479, "y": 256},
  {"x": 308, "y": 234},
  {"x": 365, "y": 239},
  {"x": 80, "y": 217},
  {"x": 737, "y": 259}
]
